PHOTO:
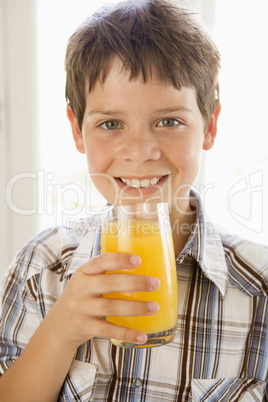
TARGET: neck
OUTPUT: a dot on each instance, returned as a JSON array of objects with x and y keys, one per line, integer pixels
[{"x": 182, "y": 226}]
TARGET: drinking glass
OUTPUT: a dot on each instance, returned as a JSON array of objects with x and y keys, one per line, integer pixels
[{"x": 144, "y": 229}]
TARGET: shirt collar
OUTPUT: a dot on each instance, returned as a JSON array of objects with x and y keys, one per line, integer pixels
[
  {"x": 90, "y": 245},
  {"x": 204, "y": 245}
]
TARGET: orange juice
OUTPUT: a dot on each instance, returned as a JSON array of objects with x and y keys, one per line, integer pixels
[{"x": 145, "y": 239}]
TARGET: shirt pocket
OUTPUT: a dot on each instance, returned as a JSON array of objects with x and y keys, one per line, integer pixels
[
  {"x": 79, "y": 382},
  {"x": 227, "y": 390}
]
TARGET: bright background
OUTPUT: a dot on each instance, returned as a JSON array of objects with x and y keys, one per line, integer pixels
[{"x": 36, "y": 140}]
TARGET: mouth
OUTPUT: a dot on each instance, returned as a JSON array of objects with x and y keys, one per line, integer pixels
[
  {"x": 142, "y": 186},
  {"x": 143, "y": 183}
]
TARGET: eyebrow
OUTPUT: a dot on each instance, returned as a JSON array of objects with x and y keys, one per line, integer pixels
[
  {"x": 157, "y": 111},
  {"x": 103, "y": 112},
  {"x": 173, "y": 109}
]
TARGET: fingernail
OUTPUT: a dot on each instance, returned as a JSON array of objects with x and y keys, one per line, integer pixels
[
  {"x": 141, "y": 338},
  {"x": 153, "y": 307},
  {"x": 154, "y": 283},
  {"x": 135, "y": 260}
]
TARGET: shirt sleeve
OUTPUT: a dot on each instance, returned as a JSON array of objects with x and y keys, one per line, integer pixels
[{"x": 19, "y": 317}]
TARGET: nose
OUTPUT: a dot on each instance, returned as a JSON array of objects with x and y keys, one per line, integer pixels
[{"x": 139, "y": 147}]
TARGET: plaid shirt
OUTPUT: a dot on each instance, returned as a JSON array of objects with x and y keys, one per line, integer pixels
[{"x": 220, "y": 352}]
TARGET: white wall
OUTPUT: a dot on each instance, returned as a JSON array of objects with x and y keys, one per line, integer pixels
[
  {"x": 3, "y": 145},
  {"x": 17, "y": 125}
]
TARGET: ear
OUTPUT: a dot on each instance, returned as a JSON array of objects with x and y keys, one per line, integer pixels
[
  {"x": 77, "y": 135},
  {"x": 211, "y": 131}
]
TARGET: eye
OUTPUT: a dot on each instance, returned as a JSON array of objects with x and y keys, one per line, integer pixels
[
  {"x": 168, "y": 122},
  {"x": 110, "y": 125}
]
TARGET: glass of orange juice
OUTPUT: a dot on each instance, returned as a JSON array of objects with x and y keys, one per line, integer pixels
[{"x": 144, "y": 229}]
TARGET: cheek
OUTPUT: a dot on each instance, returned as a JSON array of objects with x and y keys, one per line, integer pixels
[
  {"x": 97, "y": 159},
  {"x": 186, "y": 156},
  {"x": 106, "y": 186}
]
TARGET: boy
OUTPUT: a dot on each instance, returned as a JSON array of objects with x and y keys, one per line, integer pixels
[{"x": 142, "y": 92}]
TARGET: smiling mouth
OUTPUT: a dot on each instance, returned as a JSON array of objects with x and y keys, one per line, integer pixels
[{"x": 144, "y": 183}]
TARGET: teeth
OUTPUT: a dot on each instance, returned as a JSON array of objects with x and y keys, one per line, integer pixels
[
  {"x": 154, "y": 181},
  {"x": 135, "y": 183},
  {"x": 141, "y": 183},
  {"x": 145, "y": 183}
]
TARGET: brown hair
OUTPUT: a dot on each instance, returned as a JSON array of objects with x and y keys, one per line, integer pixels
[{"x": 151, "y": 37}]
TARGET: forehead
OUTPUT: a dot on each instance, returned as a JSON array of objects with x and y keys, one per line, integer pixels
[{"x": 134, "y": 102}]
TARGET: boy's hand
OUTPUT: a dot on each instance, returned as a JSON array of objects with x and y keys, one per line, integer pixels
[{"x": 77, "y": 315}]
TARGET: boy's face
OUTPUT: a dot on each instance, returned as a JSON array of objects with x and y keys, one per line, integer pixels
[{"x": 142, "y": 140}]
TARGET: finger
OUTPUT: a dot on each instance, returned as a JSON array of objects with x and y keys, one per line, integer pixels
[
  {"x": 111, "y": 262},
  {"x": 123, "y": 283},
  {"x": 112, "y": 331},
  {"x": 121, "y": 308}
]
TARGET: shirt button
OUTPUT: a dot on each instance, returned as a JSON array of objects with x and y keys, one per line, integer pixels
[{"x": 137, "y": 383}]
